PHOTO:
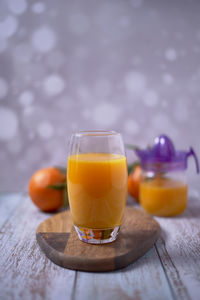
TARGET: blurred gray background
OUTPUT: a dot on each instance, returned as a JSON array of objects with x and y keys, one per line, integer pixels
[{"x": 128, "y": 65}]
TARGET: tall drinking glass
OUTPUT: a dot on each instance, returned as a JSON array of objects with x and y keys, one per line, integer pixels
[{"x": 97, "y": 185}]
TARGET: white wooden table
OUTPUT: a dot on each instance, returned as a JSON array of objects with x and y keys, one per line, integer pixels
[{"x": 170, "y": 270}]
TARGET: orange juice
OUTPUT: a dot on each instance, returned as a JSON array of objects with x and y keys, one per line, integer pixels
[
  {"x": 97, "y": 188},
  {"x": 163, "y": 196}
]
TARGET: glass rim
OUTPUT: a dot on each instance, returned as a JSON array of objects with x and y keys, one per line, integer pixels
[{"x": 96, "y": 133}]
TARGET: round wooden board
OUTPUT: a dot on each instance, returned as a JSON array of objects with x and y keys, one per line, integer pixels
[{"x": 59, "y": 241}]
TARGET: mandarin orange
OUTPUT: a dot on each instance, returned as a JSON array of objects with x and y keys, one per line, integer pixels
[
  {"x": 134, "y": 182},
  {"x": 40, "y": 191}
]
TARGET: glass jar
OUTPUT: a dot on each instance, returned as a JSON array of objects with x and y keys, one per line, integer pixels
[
  {"x": 164, "y": 194},
  {"x": 163, "y": 186}
]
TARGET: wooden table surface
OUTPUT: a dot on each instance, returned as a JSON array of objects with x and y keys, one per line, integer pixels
[{"x": 170, "y": 270}]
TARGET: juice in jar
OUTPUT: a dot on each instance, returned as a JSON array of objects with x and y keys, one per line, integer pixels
[
  {"x": 97, "y": 188},
  {"x": 163, "y": 196}
]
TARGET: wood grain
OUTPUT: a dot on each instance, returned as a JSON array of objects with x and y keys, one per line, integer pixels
[
  {"x": 25, "y": 273},
  {"x": 168, "y": 271},
  {"x": 144, "y": 279},
  {"x": 8, "y": 204},
  {"x": 59, "y": 241},
  {"x": 179, "y": 251}
]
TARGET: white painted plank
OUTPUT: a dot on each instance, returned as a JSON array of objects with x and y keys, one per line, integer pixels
[
  {"x": 25, "y": 272},
  {"x": 179, "y": 250},
  {"x": 8, "y": 203},
  {"x": 144, "y": 279}
]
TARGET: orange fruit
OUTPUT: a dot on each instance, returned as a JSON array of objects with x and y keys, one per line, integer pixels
[
  {"x": 134, "y": 182},
  {"x": 97, "y": 234},
  {"x": 47, "y": 199}
]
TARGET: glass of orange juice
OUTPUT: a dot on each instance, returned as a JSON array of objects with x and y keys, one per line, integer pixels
[{"x": 97, "y": 185}]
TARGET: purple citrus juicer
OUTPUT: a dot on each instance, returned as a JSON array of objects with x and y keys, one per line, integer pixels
[{"x": 163, "y": 157}]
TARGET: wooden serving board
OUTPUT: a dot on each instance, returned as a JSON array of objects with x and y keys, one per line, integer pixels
[{"x": 59, "y": 241}]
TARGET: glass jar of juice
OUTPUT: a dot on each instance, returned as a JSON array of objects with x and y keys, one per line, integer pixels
[{"x": 163, "y": 187}]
